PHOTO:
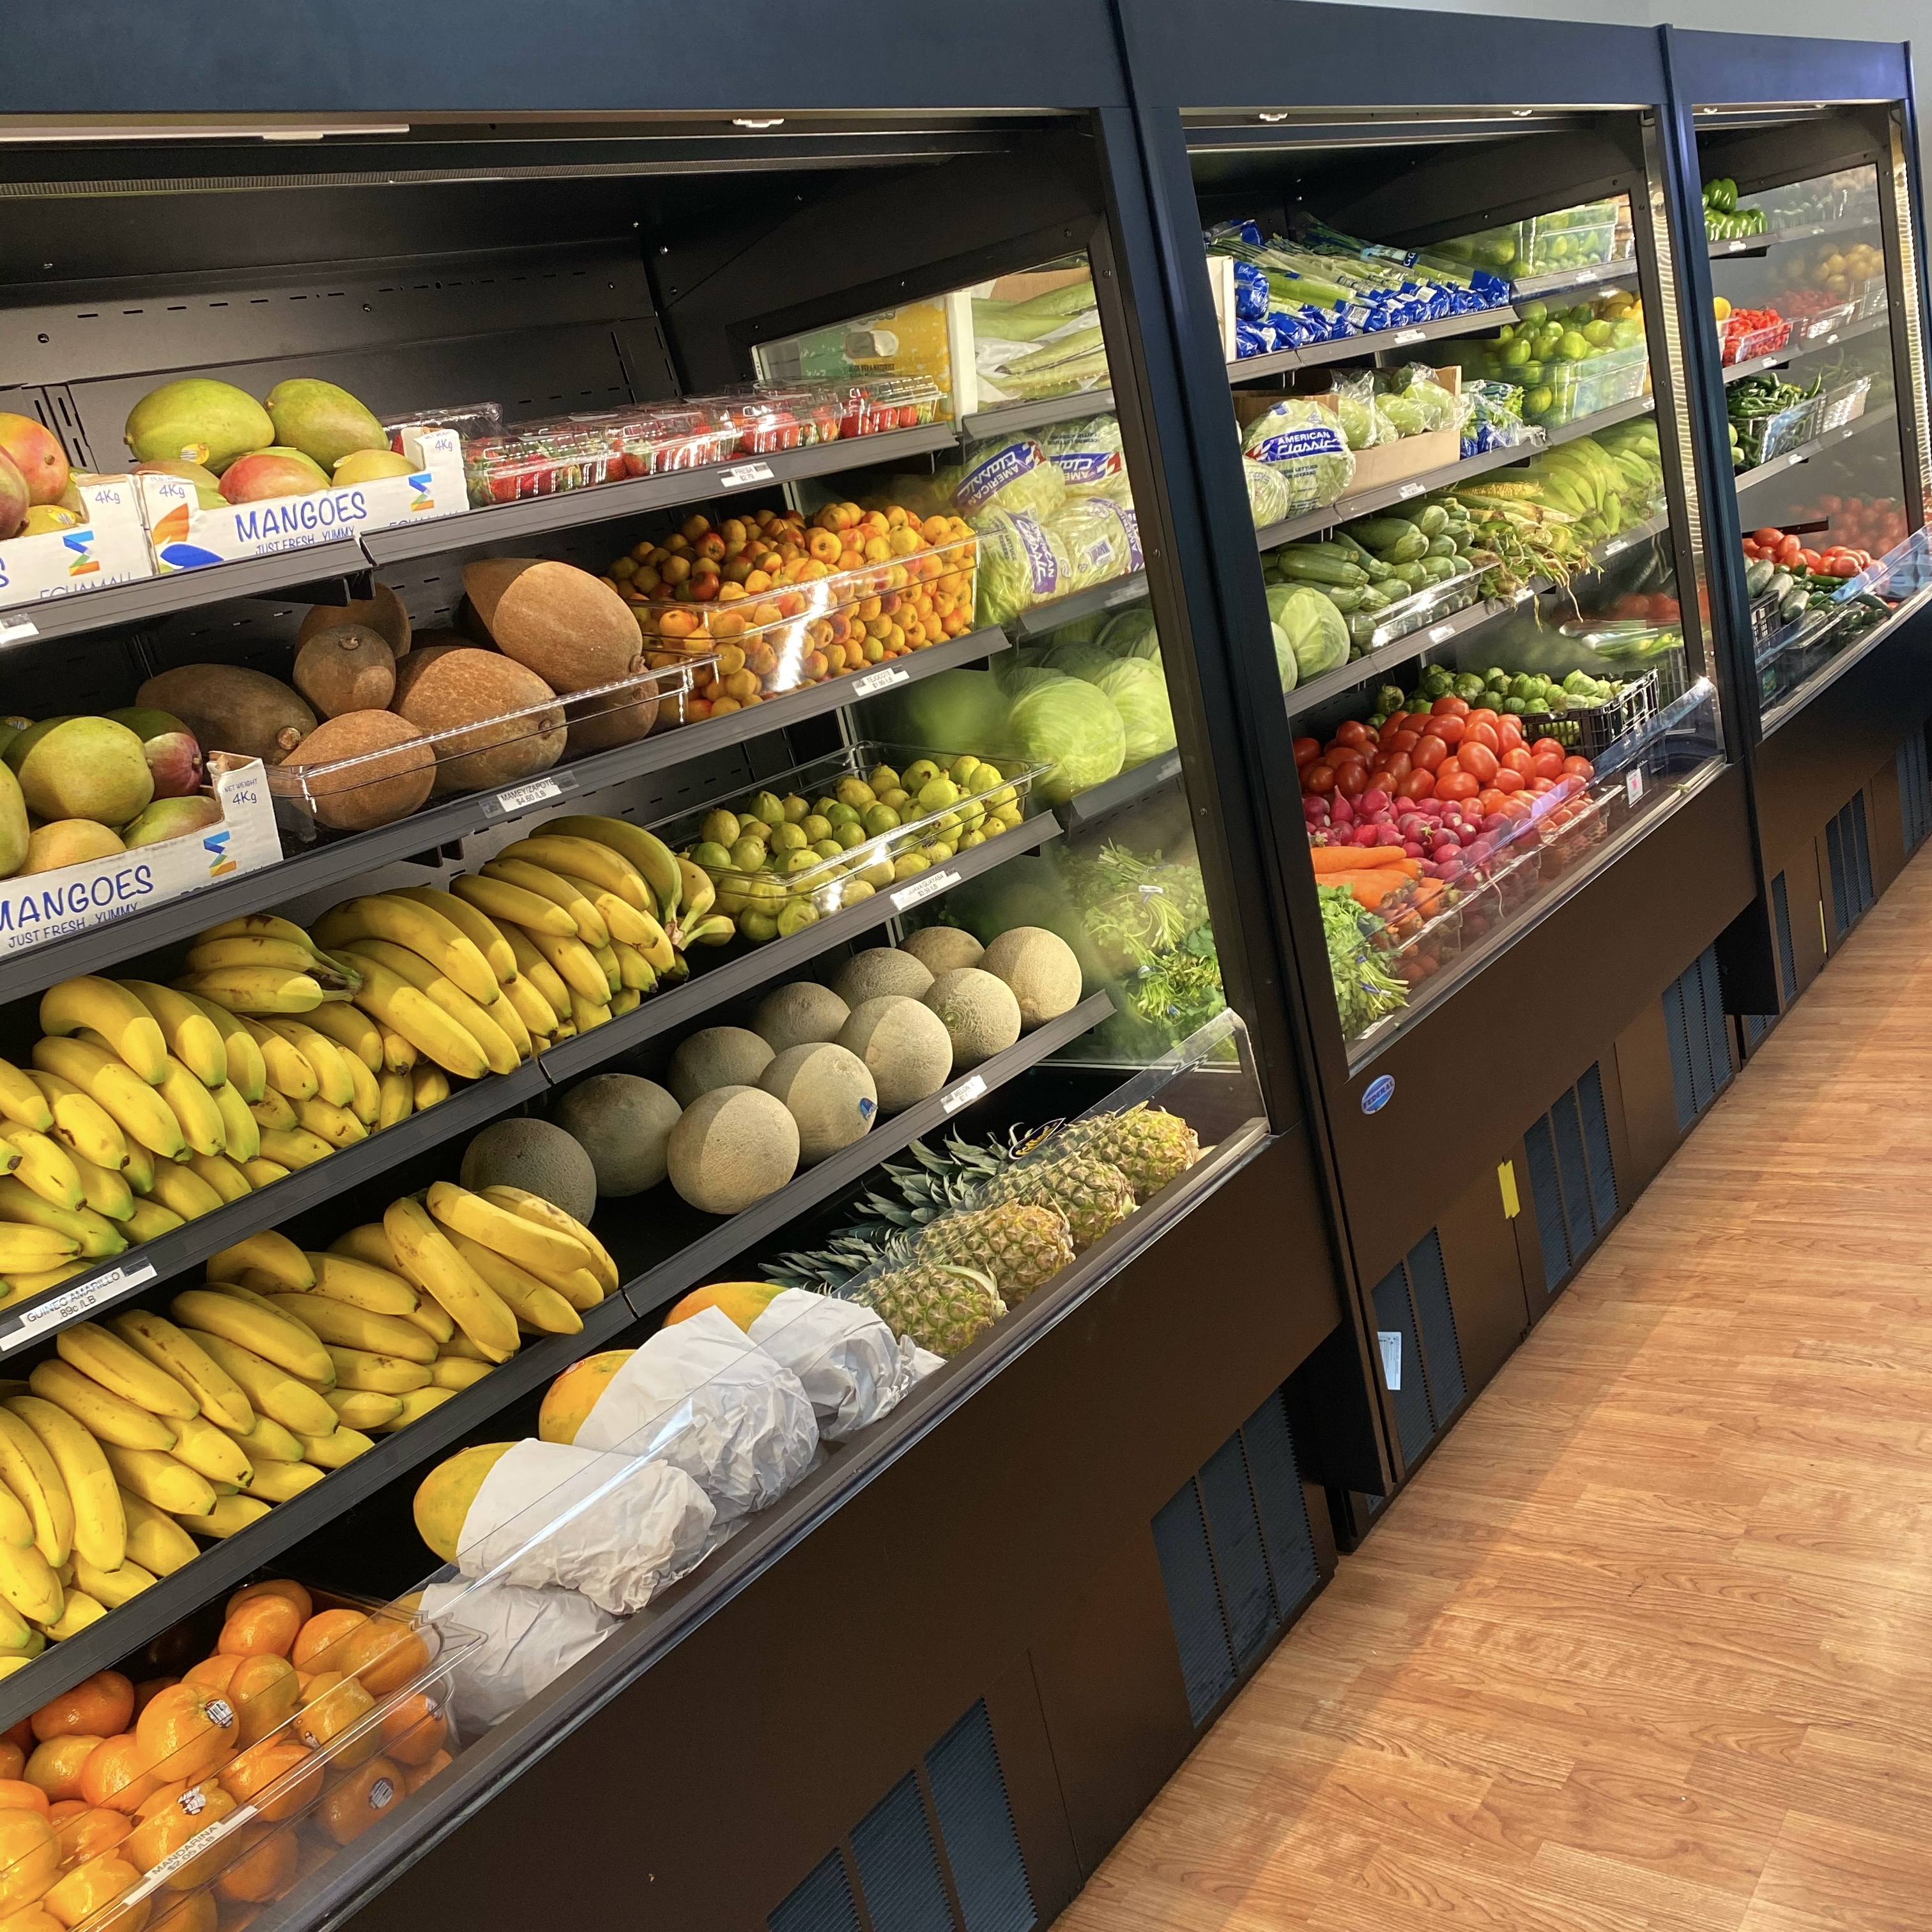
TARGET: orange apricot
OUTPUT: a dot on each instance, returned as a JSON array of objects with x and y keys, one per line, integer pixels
[
  {"x": 55, "y": 1766},
  {"x": 332, "y": 1705},
  {"x": 96, "y": 1708},
  {"x": 88, "y": 1833},
  {"x": 116, "y": 1776},
  {"x": 264, "y": 1693},
  {"x": 352, "y": 1807},
  {"x": 246, "y": 1777},
  {"x": 322, "y": 1631},
  {"x": 187, "y": 1732},
  {"x": 262, "y": 1867},
  {"x": 191, "y": 1810},
  {"x": 215, "y": 1672}
]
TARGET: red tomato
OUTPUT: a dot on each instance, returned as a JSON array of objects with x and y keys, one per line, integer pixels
[
  {"x": 1451, "y": 767},
  {"x": 1404, "y": 741},
  {"x": 1449, "y": 729},
  {"x": 1508, "y": 781},
  {"x": 1319, "y": 777},
  {"x": 1429, "y": 753},
  {"x": 1490, "y": 801},
  {"x": 1346, "y": 754},
  {"x": 1548, "y": 747},
  {"x": 1398, "y": 765},
  {"x": 1578, "y": 768},
  {"x": 1789, "y": 550},
  {"x": 1461, "y": 786},
  {"x": 1417, "y": 784},
  {"x": 1352, "y": 780},
  {"x": 1307, "y": 751},
  {"x": 1351, "y": 731},
  {"x": 1843, "y": 566},
  {"x": 1484, "y": 735},
  {"x": 1477, "y": 759},
  {"x": 1768, "y": 536},
  {"x": 1809, "y": 558},
  {"x": 1516, "y": 759},
  {"x": 1509, "y": 735},
  {"x": 1546, "y": 765},
  {"x": 1382, "y": 779},
  {"x": 1539, "y": 784},
  {"x": 1449, "y": 707},
  {"x": 1482, "y": 715}
]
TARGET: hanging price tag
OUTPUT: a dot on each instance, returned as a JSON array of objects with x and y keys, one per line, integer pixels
[
  {"x": 1441, "y": 634},
  {"x": 1586, "y": 275},
  {"x": 520, "y": 798},
  {"x": 1407, "y": 335},
  {"x": 968, "y": 1090},
  {"x": 876, "y": 681},
  {"x": 924, "y": 888},
  {"x": 62, "y": 1308},
  {"x": 745, "y": 474},
  {"x": 13, "y": 634},
  {"x": 1634, "y": 784},
  {"x": 1391, "y": 1341}
]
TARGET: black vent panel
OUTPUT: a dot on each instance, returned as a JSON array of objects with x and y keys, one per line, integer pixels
[
  {"x": 1848, "y": 854},
  {"x": 1915, "y": 790},
  {"x": 1420, "y": 1356},
  {"x": 1573, "y": 1181},
  {"x": 1700, "y": 1044},
  {"x": 1787, "y": 952}
]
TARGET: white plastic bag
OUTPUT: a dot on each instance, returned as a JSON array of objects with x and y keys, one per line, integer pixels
[
  {"x": 704, "y": 1397},
  {"x": 530, "y": 1638},
  {"x": 846, "y": 1359},
  {"x": 617, "y": 1527}
]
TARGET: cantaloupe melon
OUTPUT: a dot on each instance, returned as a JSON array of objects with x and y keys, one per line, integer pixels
[
  {"x": 904, "y": 1045},
  {"x": 535, "y": 1156},
  {"x": 444, "y": 1496},
  {"x": 796, "y": 1015},
  {"x": 622, "y": 1123},
  {"x": 878, "y": 973},
  {"x": 943, "y": 948},
  {"x": 360, "y": 796},
  {"x": 829, "y": 1090},
  {"x": 979, "y": 1012},
  {"x": 575, "y": 1394},
  {"x": 732, "y": 1147},
  {"x": 1040, "y": 968},
  {"x": 722, "y": 1056}
]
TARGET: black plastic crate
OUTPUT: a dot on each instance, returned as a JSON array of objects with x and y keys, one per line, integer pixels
[{"x": 1596, "y": 729}]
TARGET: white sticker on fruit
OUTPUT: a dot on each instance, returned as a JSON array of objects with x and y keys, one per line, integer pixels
[
  {"x": 968, "y": 1090},
  {"x": 62, "y": 1308},
  {"x": 1634, "y": 784},
  {"x": 923, "y": 888},
  {"x": 1441, "y": 634},
  {"x": 1402, "y": 335},
  {"x": 744, "y": 474},
  {"x": 1390, "y": 1340},
  {"x": 875, "y": 681}
]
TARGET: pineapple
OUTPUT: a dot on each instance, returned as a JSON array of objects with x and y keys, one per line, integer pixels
[
  {"x": 1148, "y": 1145},
  {"x": 1022, "y": 1247},
  {"x": 942, "y": 1308}
]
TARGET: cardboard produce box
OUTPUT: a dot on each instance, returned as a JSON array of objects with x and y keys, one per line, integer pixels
[
  {"x": 184, "y": 536},
  {"x": 37, "y": 907},
  {"x": 111, "y": 547}
]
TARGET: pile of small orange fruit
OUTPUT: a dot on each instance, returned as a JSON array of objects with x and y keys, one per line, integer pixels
[
  {"x": 110, "y": 1779},
  {"x": 782, "y": 602}
]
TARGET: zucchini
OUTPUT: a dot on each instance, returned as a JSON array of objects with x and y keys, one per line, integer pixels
[
  {"x": 1780, "y": 582},
  {"x": 1412, "y": 574},
  {"x": 1393, "y": 539},
  {"x": 1346, "y": 598},
  {"x": 1431, "y": 520},
  {"x": 1441, "y": 546},
  {"x": 1305, "y": 566},
  {"x": 1439, "y": 569}
]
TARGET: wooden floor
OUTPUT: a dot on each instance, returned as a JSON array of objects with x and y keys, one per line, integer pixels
[{"x": 1648, "y": 1642}]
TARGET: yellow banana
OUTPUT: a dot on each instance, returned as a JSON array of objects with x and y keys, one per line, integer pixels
[
  {"x": 22, "y": 1101},
  {"x": 271, "y": 1391},
  {"x": 460, "y": 1346},
  {"x": 104, "y": 1415},
  {"x": 289, "y": 1071},
  {"x": 700, "y": 894},
  {"x": 194, "y": 1107},
  {"x": 23, "y": 1284},
  {"x": 297, "y": 1148},
  {"x": 640, "y": 930},
  {"x": 357, "y": 1283},
  {"x": 649, "y": 857},
  {"x": 418, "y": 928},
  {"x": 277, "y": 1482},
  {"x": 365, "y": 1102},
  {"x": 585, "y": 859},
  {"x": 81, "y": 1124},
  {"x": 498, "y": 1050},
  {"x": 399, "y": 1055},
  {"x": 258, "y": 925},
  {"x": 329, "y": 1062},
  {"x": 428, "y": 1085},
  {"x": 92, "y": 1235},
  {"x": 27, "y": 1583},
  {"x": 510, "y": 904},
  {"x": 103, "y": 1190},
  {"x": 160, "y": 1480},
  {"x": 397, "y": 1097},
  {"x": 99, "y": 1527},
  {"x": 139, "y": 1172},
  {"x": 274, "y": 1254},
  {"x": 31, "y": 1473},
  {"x": 267, "y": 1442},
  {"x": 241, "y": 1131},
  {"x": 211, "y": 1453},
  {"x": 336, "y": 1125},
  {"x": 183, "y": 1192},
  {"x": 221, "y": 1174},
  {"x": 455, "y": 1371},
  {"x": 273, "y": 1109},
  {"x": 505, "y": 1016},
  {"x": 140, "y": 1112},
  {"x": 634, "y": 972},
  {"x": 537, "y": 1015},
  {"x": 416, "y": 1405},
  {"x": 155, "y": 1541},
  {"x": 530, "y": 1207},
  {"x": 561, "y": 893},
  {"x": 537, "y": 971},
  {"x": 255, "y": 989},
  {"x": 342, "y": 1325},
  {"x": 585, "y": 1014},
  {"x": 130, "y": 1029},
  {"x": 192, "y": 1037},
  {"x": 384, "y": 1374},
  {"x": 433, "y": 1320},
  {"x": 355, "y": 1033},
  {"x": 575, "y": 965},
  {"x": 46, "y": 1167},
  {"x": 715, "y": 930},
  {"x": 248, "y": 1320},
  {"x": 210, "y": 956},
  {"x": 435, "y": 1267},
  {"x": 540, "y": 1249},
  {"x": 148, "y": 1360},
  {"x": 78, "y": 1610},
  {"x": 475, "y": 925},
  {"x": 368, "y": 1242},
  {"x": 263, "y": 1173},
  {"x": 245, "y": 1070},
  {"x": 111, "y": 1588},
  {"x": 534, "y": 1304},
  {"x": 613, "y": 977},
  {"x": 359, "y": 1409},
  {"x": 150, "y": 1221},
  {"x": 229, "y": 1515},
  {"x": 331, "y": 1452},
  {"x": 16, "y": 1526},
  {"x": 402, "y": 1009},
  {"x": 26, "y": 1249}
]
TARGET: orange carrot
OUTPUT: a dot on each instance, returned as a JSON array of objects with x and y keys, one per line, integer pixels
[{"x": 1358, "y": 858}]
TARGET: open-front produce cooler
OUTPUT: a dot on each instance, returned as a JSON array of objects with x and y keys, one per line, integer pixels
[{"x": 736, "y": 972}]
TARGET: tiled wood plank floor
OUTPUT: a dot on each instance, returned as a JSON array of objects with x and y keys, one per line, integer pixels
[{"x": 1648, "y": 1644}]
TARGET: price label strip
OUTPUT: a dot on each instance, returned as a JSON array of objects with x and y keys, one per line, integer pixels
[
  {"x": 1407, "y": 335},
  {"x": 926, "y": 888},
  {"x": 968, "y": 1090},
  {"x": 59, "y": 1309},
  {"x": 521, "y": 798},
  {"x": 745, "y": 474},
  {"x": 14, "y": 633},
  {"x": 874, "y": 682}
]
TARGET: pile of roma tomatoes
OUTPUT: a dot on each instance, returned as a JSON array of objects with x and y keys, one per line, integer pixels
[
  {"x": 1449, "y": 751},
  {"x": 1773, "y": 546}
]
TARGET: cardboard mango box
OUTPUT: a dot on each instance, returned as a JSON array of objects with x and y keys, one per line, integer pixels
[
  {"x": 184, "y": 536},
  {"x": 37, "y": 907},
  {"x": 111, "y": 547}
]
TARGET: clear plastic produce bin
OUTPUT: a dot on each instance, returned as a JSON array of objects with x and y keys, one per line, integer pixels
[
  {"x": 1742, "y": 343},
  {"x": 1845, "y": 404},
  {"x": 1599, "y": 381},
  {"x": 786, "y": 859},
  {"x": 514, "y": 748},
  {"x": 1764, "y": 437}
]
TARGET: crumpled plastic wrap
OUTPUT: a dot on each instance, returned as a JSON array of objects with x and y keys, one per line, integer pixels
[
  {"x": 846, "y": 1359},
  {"x": 702, "y": 1397},
  {"x": 530, "y": 1637},
  {"x": 617, "y": 1527}
]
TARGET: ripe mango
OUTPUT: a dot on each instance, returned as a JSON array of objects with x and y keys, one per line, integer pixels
[
  {"x": 174, "y": 757},
  {"x": 171, "y": 818},
  {"x": 365, "y": 466},
  {"x": 197, "y": 420},
  {"x": 68, "y": 841},
  {"x": 82, "y": 768},
  {"x": 274, "y": 471},
  {"x": 35, "y": 452},
  {"x": 13, "y": 823},
  {"x": 324, "y": 422},
  {"x": 14, "y": 505}
]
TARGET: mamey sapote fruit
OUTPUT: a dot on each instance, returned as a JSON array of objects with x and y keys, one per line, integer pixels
[
  {"x": 570, "y": 628},
  {"x": 386, "y": 789},
  {"x": 465, "y": 686},
  {"x": 345, "y": 668},
  {"x": 384, "y": 613},
  {"x": 230, "y": 708}
]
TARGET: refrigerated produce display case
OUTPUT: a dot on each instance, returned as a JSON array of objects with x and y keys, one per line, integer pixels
[{"x": 706, "y": 1114}]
